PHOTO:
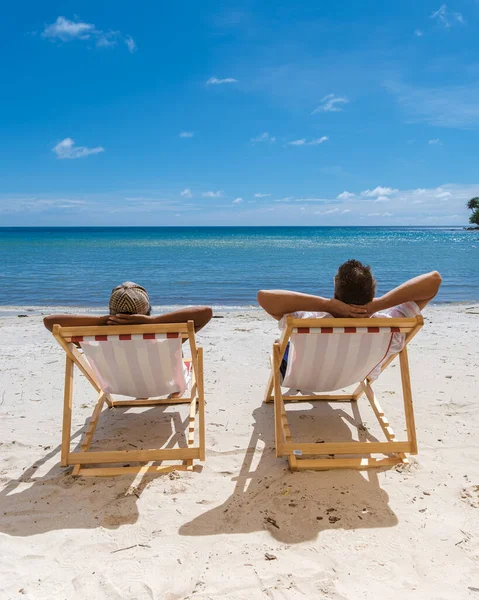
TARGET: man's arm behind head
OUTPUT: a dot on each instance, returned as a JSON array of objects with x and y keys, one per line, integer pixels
[
  {"x": 73, "y": 321},
  {"x": 421, "y": 290}
]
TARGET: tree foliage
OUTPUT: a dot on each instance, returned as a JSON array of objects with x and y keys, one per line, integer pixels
[{"x": 473, "y": 204}]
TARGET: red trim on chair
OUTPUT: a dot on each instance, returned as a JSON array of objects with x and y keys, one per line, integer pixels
[
  {"x": 172, "y": 335},
  {"x": 77, "y": 338},
  {"x": 303, "y": 329},
  {"x": 373, "y": 329},
  {"x": 101, "y": 338},
  {"x": 148, "y": 336},
  {"x": 125, "y": 336},
  {"x": 395, "y": 330},
  {"x": 326, "y": 330},
  {"x": 350, "y": 330}
]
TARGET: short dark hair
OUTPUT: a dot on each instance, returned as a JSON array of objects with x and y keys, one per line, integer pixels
[{"x": 354, "y": 283}]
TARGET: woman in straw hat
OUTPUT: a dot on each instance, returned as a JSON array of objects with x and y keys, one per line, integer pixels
[{"x": 130, "y": 305}]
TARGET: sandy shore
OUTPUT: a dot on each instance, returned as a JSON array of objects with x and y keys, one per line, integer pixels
[{"x": 399, "y": 533}]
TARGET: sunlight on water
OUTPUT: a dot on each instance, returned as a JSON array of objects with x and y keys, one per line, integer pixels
[{"x": 222, "y": 266}]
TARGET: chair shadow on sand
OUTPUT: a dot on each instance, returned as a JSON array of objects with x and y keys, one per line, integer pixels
[
  {"x": 296, "y": 507},
  {"x": 35, "y": 504}
]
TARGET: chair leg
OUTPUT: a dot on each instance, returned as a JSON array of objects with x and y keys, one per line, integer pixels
[
  {"x": 201, "y": 405},
  {"x": 408, "y": 405},
  {"x": 90, "y": 432},
  {"x": 381, "y": 417},
  {"x": 278, "y": 413},
  {"x": 269, "y": 388},
  {"x": 67, "y": 411}
]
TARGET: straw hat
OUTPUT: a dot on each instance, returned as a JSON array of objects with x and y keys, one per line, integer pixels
[{"x": 129, "y": 298}]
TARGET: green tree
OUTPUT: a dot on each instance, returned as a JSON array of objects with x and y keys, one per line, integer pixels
[{"x": 473, "y": 204}]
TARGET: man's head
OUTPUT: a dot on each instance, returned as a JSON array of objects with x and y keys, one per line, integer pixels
[
  {"x": 129, "y": 298},
  {"x": 354, "y": 283}
]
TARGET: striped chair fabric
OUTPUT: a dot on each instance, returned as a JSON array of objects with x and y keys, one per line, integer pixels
[
  {"x": 140, "y": 366},
  {"x": 324, "y": 359}
]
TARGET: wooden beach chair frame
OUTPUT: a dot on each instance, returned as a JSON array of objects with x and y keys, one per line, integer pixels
[
  {"x": 285, "y": 446},
  {"x": 65, "y": 336}
]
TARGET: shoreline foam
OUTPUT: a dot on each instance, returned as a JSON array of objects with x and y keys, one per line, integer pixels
[{"x": 31, "y": 310}]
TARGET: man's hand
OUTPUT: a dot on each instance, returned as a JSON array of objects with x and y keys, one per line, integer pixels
[
  {"x": 123, "y": 319},
  {"x": 349, "y": 311},
  {"x": 371, "y": 307}
]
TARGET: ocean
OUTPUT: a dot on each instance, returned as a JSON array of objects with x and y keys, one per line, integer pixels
[{"x": 46, "y": 268}]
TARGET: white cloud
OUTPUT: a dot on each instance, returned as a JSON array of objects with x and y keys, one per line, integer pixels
[
  {"x": 217, "y": 194},
  {"x": 331, "y": 103},
  {"x": 318, "y": 141},
  {"x": 379, "y": 191},
  {"x": 446, "y": 106},
  {"x": 130, "y": 44},
  {"x": 435, "y": 141},
  {"x": 329, "y": 211},
  {"x": 382, "y": 199},
  {"x": 19, "y": 205},
  {"x": 186, "y": 193},
  {"x": 289, "y": 199},
  {"x": 187, "y": 134},
  {"x": 216, "y": 81},
  {"x": 444, "y": 205},
  {"x": 67, "y": 149},
  {"x": 263, "y": 137},
  {"x": 314, "y": 142},
  {"x": 418, "y": 33},
  {"x": 238, "y": 201},
  {"x": 259, "y": 195},
  {"x": 447, "y": 18},
  {"x": 345, "y": 196},
  {"x": 66, "y": 31}
]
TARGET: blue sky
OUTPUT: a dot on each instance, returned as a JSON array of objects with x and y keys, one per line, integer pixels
[{"x": 212, "y": 113}]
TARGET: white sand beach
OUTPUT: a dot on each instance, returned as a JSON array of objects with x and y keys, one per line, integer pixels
[{"x": 242, "y": 526}]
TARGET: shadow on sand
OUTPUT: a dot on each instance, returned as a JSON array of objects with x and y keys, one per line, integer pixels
[
  {"x": 34, "y": 504},
  {"x": 296, "y": 507}
]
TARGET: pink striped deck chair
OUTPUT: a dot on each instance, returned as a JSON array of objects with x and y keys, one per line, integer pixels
[
  {"x": 329, "y": 354},
  {"x": 141, "y": 362}
]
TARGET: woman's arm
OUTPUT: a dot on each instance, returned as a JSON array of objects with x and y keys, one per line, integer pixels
[
  {"x": 278, "y": 303},
  {"x": 73, "y": 321},
  {"x": 420, "y": 290},
  {"x": 201, "y": 315}
]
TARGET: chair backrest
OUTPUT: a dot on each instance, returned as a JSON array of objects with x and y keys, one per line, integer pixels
[
  {"x": 142, "y": 361},
  {"x": 329, "y": 354}
]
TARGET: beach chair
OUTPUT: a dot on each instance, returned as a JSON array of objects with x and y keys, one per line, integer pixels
[
  {"x": 141, "y": 362},
  {"x": 329, "y": 354}
]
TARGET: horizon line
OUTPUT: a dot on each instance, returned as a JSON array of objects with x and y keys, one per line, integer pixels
[{"x": 468, "y": 226}]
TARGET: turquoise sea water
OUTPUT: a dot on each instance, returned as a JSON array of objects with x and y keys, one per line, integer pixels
[{"x": 223, "y": 266}]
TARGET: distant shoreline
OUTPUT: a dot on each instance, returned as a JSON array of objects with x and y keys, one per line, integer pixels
[
  {"x": 78, "y": 227},
  {"x": 14, "y": 311}
]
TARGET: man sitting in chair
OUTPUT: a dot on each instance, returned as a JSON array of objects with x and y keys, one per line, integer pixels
[
  {"x": 354, "y": 290},
  {"x": 130, "y": 305}
]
